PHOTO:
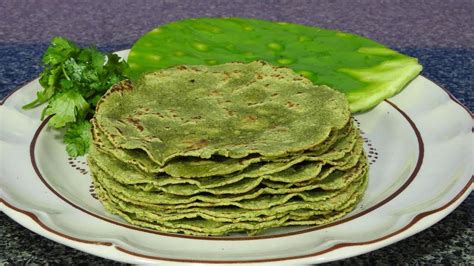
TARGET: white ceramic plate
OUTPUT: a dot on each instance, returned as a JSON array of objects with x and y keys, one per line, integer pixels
[{"x": 420, "y": 145}]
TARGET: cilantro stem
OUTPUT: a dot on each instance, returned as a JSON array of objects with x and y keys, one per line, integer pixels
[
  {"x": 31, "y": 105},
  {"x": 65, "y": 73}
]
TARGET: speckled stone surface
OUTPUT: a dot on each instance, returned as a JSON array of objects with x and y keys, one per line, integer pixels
[{"x": 439, "y": 33}]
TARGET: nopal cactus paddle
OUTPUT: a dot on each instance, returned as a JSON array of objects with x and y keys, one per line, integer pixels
[{"x": 365, "y": 71}]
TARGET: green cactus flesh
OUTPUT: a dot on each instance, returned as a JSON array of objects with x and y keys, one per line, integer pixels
[{"x": 364, "y": 70}]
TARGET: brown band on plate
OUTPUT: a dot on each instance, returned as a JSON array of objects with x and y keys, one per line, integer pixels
[
  {"x": 228, "y": 238},
  {"x": 2, "y": 101},
  {"x": 416, "y": 219},
  {"x": 45, "y": 227}
]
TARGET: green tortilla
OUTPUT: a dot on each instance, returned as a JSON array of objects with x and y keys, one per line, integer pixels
[
  {"x": 213, "y": 150},
  {"x": 211, "y": 224},
  {"x": 309, "y": 171},
  {"x": 196, "y": 167},
  {"x": 257, "y": 198},
  {"x": 298, "y": 170},
  {"x": 232, "y": 110}
]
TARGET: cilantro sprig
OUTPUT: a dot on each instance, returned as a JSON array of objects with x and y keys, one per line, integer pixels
[{"x": 73, "y": 81}]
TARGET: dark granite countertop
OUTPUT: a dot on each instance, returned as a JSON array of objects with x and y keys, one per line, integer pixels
[{"x": 439, "y": 33}]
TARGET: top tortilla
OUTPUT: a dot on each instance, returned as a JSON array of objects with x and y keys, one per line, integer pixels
[{"x": 232, "y": 110}]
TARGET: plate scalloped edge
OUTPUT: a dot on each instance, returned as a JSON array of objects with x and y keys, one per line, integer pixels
[{"x": 107, "y": 249}]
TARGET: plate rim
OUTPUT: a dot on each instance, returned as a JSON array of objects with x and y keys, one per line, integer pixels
[
  {"x": 441, "y": 211},
  {"x": 387, "y": 199},
  {"x": 414, "y": 221}
]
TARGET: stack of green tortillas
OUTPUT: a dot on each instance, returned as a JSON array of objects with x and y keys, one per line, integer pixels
[{"x": 210, "y": 150}]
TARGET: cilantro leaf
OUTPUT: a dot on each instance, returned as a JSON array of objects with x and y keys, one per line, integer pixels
[
  {"x": 78, "y": 138},
  {"x": 66, "y": 108},
  {"x": 59, "y": 50},
  {"x": 73, "y": 81}
]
